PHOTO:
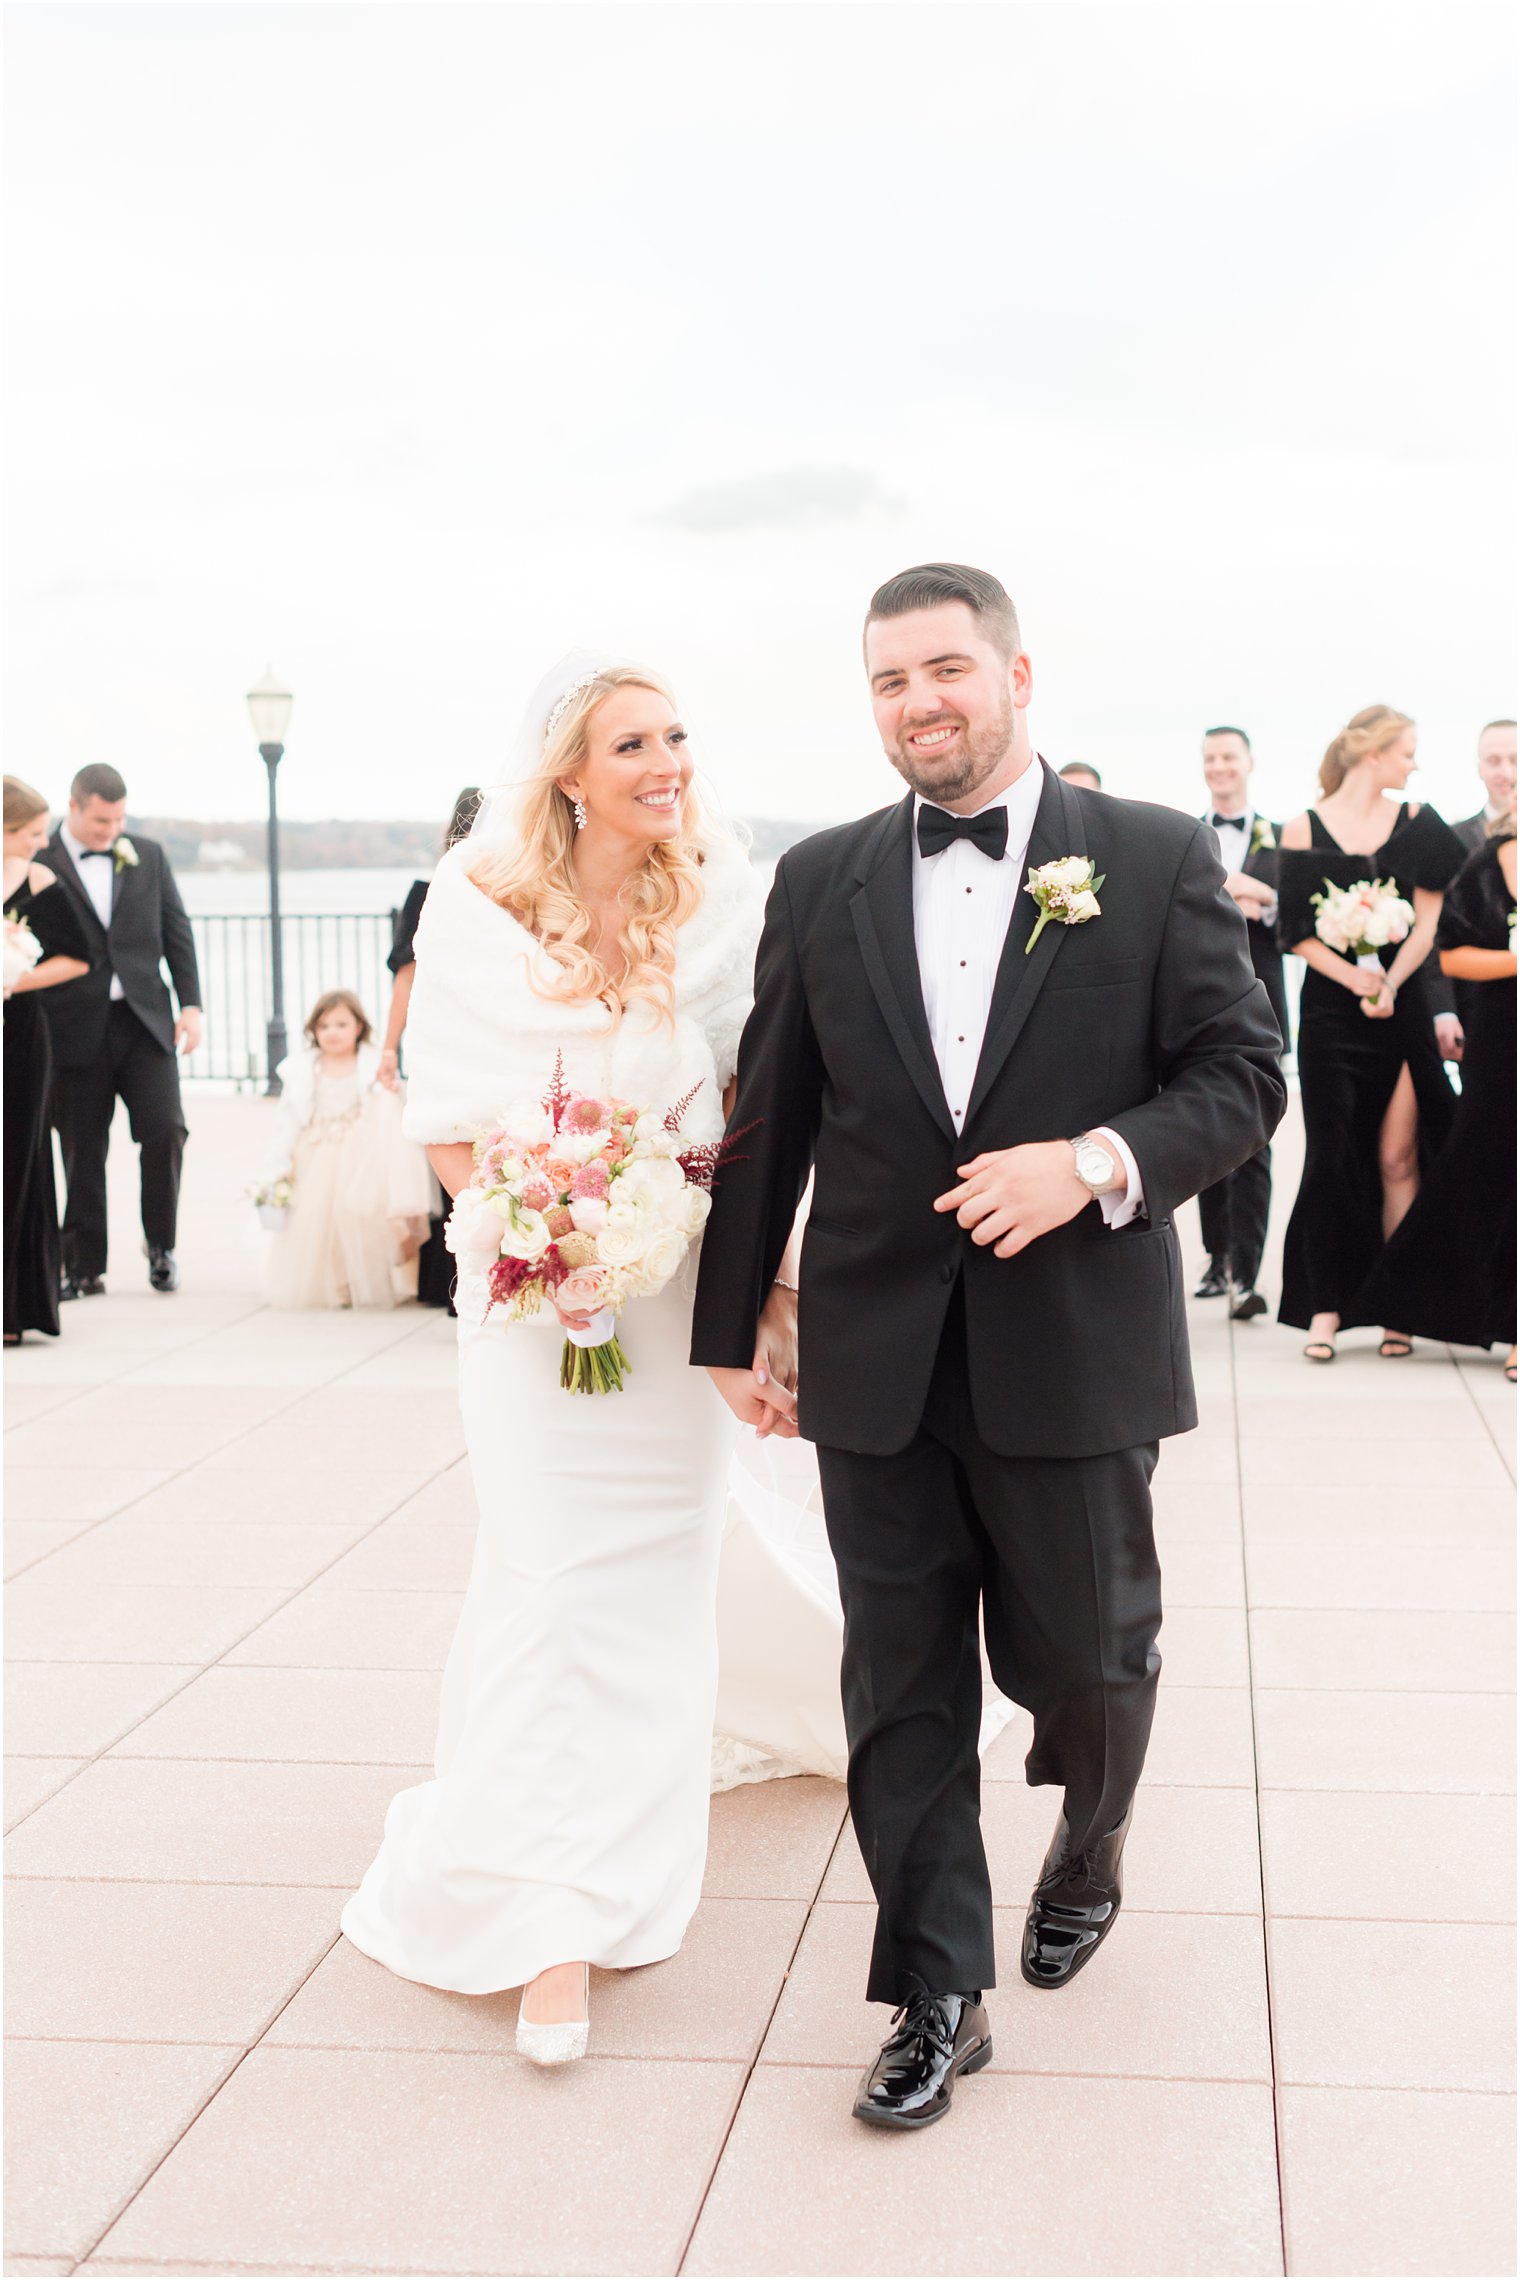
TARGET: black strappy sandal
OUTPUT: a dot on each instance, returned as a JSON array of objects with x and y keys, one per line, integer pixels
[
  {"x": 1319, "y": 1350},
  {"x": 1395, "y": 1348}
]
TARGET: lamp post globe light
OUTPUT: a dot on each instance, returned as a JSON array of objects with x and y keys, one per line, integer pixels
[{"x": 269, "y": 703}]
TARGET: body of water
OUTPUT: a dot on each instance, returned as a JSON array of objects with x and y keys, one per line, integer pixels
[{"x": 246, "y": 893}]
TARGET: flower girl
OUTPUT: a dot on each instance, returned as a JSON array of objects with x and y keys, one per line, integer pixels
[{"x": 360, "y": 1194}]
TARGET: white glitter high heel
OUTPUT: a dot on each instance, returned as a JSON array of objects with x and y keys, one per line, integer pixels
[{"x": 556, "y": 2042}]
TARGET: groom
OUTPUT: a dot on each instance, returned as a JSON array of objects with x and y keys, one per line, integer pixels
[{"x": 1001, "y": 1117}]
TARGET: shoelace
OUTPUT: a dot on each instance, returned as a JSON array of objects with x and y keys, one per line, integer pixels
[
  {"x": 1077, "y": 1870},
  {"x": 919, "y": 2016}
]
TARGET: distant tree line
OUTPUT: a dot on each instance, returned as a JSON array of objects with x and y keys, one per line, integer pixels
[{"x": 340, "y": 844}]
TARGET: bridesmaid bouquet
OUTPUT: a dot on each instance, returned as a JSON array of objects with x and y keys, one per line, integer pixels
[
  {"x": 22, "y": 950},
  {"x": 1363, "y": 919},
  {"x": 587, "y": 1202}
]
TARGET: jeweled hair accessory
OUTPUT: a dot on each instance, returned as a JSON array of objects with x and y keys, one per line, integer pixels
[
  {"x": 559, "y": 711},
  {"x": 496, "y": 817}
]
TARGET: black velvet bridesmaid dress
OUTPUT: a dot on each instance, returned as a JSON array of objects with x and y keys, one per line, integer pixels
[
  {"x": 33, "y": 1260},
  {"x": 1449, "y": 1268},
  {"x": 1348, "y": 1067}
]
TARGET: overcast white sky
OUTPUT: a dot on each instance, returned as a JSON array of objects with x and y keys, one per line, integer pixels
[{"x": 405, "y": 345}]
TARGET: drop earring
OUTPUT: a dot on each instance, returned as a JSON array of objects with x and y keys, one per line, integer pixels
[{"x": 580, "y": 813}]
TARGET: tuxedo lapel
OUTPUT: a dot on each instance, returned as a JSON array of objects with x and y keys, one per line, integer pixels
[
  {"x": 882, "y": 912},
  {"x": 61, "y": 864},
  {"x": 1021, "y": 972}
]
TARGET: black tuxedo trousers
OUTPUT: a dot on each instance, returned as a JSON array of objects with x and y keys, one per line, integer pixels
[
  {"x": 131, "y": 1066},
  {"x": 1058, "y": 1557}
]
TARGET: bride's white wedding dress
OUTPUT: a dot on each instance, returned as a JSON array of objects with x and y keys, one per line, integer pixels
[{"x": 576, "y": 1746}]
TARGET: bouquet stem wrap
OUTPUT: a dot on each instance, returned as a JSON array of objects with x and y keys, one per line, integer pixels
[{"x": 593, "y": 1360}]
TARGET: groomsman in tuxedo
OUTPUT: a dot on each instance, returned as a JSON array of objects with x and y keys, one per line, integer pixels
[
  {"x": 116, "y": 1034},
  {"x": 1234, "y": 1210},
  {"x": 1009, "y": 1028},
  {"x": 1496, "y": 768}
]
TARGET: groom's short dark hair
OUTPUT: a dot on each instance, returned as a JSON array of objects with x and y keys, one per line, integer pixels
[
  {"x": 930, "y": 583},
  {"x": 98, "y": 781}
]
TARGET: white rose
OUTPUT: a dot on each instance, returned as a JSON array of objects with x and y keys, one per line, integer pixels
[
  {"x": 579, "y": 1147},
  {"x": 528, "y": 1121},
  {"x": 588, "y": 1214},
  {"x": 473, "y": 1232},
  {"x": 621, "y": 1244},
  {"x": 1084, "y": 905},
  {"x": 1070, "y": 871},
  {"x": 692, "y": 1209},
  {"x": 663, "y": 1258},
  {"x": 526, "y": 1237},
  {"x": 648, "y": 1125},
  {"x": 654, "y": 1180}
]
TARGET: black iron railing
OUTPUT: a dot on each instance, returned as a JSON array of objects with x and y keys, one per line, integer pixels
[{"x": 323, "y": 951}]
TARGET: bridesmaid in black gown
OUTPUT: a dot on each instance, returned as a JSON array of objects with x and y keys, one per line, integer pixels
[
  {"x": 32, "y": 896},
  {"x": 1377, "y": 1103},
  {"x": 1449, "y": 1271},
  {"x": 435, "y": 1264}
]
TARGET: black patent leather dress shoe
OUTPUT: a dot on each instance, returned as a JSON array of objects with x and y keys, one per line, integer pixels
[
  {"x": 1216, "y": 1282},
  {"x": 1073, "y": 1907},
  {"x": 1246, "y": 1308},
  {"x": 82, "y": 1286},
  {"x": 163, "y": 1271},
  {"x": 935, "y": 2038}
]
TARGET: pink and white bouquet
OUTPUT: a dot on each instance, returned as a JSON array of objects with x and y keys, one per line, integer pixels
[
  {"x": 586, "y": 1202},
  {"x": 22, "y": 950},
  {"x": 1363, "y": 919}
]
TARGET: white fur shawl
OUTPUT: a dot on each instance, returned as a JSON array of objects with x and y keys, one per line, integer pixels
[{"x": 479, "y": 1036}]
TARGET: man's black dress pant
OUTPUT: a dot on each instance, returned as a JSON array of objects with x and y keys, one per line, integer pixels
[
  {"x": 1234, "y": 1216},
  {"x": 134, "y": 1067},
  {"x": 1058, "y": 1556}
]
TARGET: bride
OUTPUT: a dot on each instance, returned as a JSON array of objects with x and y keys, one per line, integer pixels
[{"x": 595, "y": 912}]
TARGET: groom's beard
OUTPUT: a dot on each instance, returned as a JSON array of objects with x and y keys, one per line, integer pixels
[{"x": 972, "y": 759}]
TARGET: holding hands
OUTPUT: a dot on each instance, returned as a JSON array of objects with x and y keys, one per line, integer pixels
[{"x": 765, "y": 1395}]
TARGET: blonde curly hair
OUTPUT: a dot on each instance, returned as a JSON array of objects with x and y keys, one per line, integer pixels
[
  {"x": 533, "y": 875},
  {"x": 1371, "y": 730}
]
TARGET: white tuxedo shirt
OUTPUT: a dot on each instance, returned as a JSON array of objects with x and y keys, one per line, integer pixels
[{"x": 963, "y": 904}]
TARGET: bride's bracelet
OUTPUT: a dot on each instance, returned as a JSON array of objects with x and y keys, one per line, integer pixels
[{"x": 778, "y": 1284}]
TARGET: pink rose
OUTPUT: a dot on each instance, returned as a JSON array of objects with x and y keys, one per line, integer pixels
[
  {"x": 583, "y": 1292},
  {"x": 561, "y": 1171}
]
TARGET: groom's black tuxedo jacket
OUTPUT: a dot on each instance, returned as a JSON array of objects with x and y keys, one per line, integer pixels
[
  {"x": 1147, "y": 1019},
  {"x": 148, "y": 925}
]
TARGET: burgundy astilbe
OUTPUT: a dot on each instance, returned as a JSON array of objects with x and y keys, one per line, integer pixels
[{"x": 702, "y": 1165}]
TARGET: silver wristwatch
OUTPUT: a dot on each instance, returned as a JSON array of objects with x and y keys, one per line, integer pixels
[{"x": 1096, "y": 1168}]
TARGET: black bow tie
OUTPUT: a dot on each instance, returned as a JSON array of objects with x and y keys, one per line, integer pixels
[
  {"x": 989, "y": 830},
  {"x": 95, "y": 854},
  {"x": 1228, "y": 822}
]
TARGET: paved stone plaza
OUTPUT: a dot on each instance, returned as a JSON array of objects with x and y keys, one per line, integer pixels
[{"x": 237, "y": 1543}]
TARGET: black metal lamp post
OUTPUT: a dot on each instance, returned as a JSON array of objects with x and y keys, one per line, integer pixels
[{"x": 269, "y": 703}]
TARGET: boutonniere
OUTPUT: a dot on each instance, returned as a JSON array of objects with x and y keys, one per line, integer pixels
[
  {"x": 1262, "y": 835},
  {"x": 1064, "y": 890},
  {"x": 125, "y": 853}
]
